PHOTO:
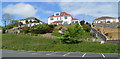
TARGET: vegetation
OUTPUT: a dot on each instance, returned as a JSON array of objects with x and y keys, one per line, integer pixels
[
  {"x": 82, "y": 22},
  {"x": 86, "y": 27},
  {"x": 74, "y": 31},
  {"x": 38, "y": 43},
  {"x": 7, "y": 18}
]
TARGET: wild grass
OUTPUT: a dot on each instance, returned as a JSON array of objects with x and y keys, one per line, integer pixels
[{"x": 38, "y": 43}]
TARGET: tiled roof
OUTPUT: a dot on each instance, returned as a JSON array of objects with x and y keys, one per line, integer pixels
[
  {"x": 74, "y": 19},
  {"x": 57, "y": 21},
  {"x": 104, "y": 18},
  {"x": 61, "y": 14}
]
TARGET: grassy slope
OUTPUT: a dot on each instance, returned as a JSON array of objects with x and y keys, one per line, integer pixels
[
  {"x": 37, "y": 43},
  {"x": 80, "y": 36}
]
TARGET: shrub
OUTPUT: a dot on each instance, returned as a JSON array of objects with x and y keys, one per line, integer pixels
[
  {"x": 3, "y": 29},
  {"x": 69, "y": 41},
  {"x": 49, "y": 30},
  {"x": 52, "y": 26},
  {"x": 9, "y": 26},
  {"x": 82, "y": 22},
  {"x": 40, "y": 29},
  {"x": 25, "y": 29},
  {"x": 70, "y": 35},
  {"x": 86, "y": 28}
]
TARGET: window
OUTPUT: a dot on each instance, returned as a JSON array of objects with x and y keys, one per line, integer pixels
[
  {"x": 65, "y": 22},
  {"x": 60, "y": 23},
  {"x": 57, "y": 18},
  {"x": 114, "y": 21},
  {"x": 60, "y": 18},
  {"x": 76, "y": 21},
  {"x": 57, "y": 14},
  {"x": 51, "y": 18},
  {"x": 72, "y": 22},
  {"x": 65, "y": 17},
  {"x": 108, "y": 21}
]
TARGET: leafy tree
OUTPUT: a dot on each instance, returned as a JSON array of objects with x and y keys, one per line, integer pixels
[
  {"x": 30, "y": 21},
  {"x": 82, "y": 22},
  {"x": 6, "y": 18},
  {"x": 70, "y": 35},
  {"x": 27, "y": 22}
]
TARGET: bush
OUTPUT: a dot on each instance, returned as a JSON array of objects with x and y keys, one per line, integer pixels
[
  {"x": 49, "y": 30},
  {"x": 9, "y": 26},
  {"x": 25, "y": 29},
  {"x": 40, "y": 29},
  {"x": 3, "y": 29},
  {"x": 52, "y": 26},
  {"x": 70, "y": 35},
  {"x": 82, "y": 22},
  {"x": 87, "y": 28}
]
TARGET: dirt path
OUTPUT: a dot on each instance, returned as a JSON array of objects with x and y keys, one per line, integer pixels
[{"x": 49, "y": 35}]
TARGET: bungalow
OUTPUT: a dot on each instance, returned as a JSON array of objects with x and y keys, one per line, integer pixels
[
  {"x": 105, "y": 19},
  {"x": 61, "y": 18},
  {"x": 30, "y": 21}
]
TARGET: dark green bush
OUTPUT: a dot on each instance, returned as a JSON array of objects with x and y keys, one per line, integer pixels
[
  {"x": 40, "y": 29},
  {"x": 3, "y": 29},
  {"x": 82, "y": 22},
  {"x": 87, "y": 28}
]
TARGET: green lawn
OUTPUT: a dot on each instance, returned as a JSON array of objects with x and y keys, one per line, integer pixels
[{"x": 37, "y": 43}]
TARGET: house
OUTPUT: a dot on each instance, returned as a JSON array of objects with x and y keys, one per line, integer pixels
[
  {"x": 108, "y": 26},
  {"x": 61, "y": 18},
  {"x": 30, "y": 21},
  {"x": 106, "y": 19}
]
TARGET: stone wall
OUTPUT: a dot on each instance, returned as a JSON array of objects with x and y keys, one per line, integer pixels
[
  {"x": 107, "y": 25},
  {"x": 111, "y": 30}
]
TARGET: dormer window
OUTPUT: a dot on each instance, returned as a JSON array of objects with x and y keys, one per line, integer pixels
[
  {"x": 57, "y": 14},
  {"x": 65, "y": 17},
  {"x": 51, "y": 18}
]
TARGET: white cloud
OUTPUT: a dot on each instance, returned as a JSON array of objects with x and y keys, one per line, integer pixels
[
  {"x": 60, "y": 0},
  {"x": 90, "y": 8},
  {"x": 21, "y": 9}
]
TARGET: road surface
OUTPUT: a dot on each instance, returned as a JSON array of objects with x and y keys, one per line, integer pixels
[{"x": 10, "y": 53}]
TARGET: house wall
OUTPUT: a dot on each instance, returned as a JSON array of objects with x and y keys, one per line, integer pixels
[
  {"x": 30, "y": 24},
  {"x": 69, "y": 18},
  {"x": 112, "y": 32},
  {"x": 105, "y": 21},
  {"x": 23, "y": 21}
]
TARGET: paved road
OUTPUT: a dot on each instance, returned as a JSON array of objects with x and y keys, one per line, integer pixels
[{"x": 10, "y": 53}]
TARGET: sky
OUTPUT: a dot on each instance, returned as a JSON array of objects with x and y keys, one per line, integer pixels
[{"x": 87, "y": 11}]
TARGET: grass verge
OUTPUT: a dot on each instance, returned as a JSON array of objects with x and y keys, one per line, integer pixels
[{"x": 38, "y": 43}]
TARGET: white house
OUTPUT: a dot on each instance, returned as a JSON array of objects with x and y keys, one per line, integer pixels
[
  {"x": 30, "y": 21},
  {"x": 106, "y": 19},
  {"x": 61, "y": 18}
]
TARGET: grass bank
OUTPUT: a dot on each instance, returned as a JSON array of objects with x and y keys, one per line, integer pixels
[{"x": 38, "y": 43}]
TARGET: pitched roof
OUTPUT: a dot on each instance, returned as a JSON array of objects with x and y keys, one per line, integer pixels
[
  {"x": 61, "y": 14},
  {"x": 32, "y": 18},
  {"x": 74, "y": 19},
  {"x": 104, "y": 18},
  {"x": 57, "y": 21}
]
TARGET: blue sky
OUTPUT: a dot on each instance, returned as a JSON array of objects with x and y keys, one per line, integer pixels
[{"x": 87, "y": 11}]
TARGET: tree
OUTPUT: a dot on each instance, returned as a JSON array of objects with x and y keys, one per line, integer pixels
[
  {"x": 27, "y": 22},
  {"x": 70, "y": 35},
  {"x": 82, "y": 22},
  {"x": 6, "y": 18}
]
